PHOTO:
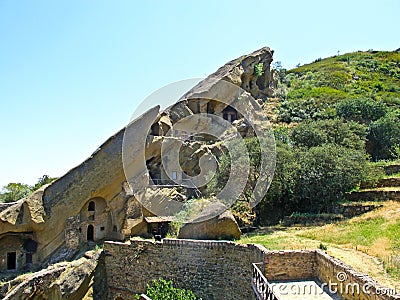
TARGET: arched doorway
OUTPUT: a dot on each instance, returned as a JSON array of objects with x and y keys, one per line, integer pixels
[{"x": 90, "y": 233}]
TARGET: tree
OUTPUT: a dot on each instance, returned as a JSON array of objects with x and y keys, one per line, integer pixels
[
  {"x": 45, "y": 179},
  {"x": 279, "y": 200},
  {"x": 251, "y": 158},
  {"x": 311, "y": 180},
  {"x": 385, "y": 136},
  {"x": 317, "y": 163},
  {"x": 14, "y": 191},
  {"x": 327, "y": 172},
  {"x": 280, "y": 70}
]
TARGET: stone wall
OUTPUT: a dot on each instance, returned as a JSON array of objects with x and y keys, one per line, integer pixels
[
  {"x": 71, "y": 232},
  {"x": 222, "y": 270},
  {"x": 212, "y": 269},
  {"x": 349, "y": 283},
  {"x": 290, "y": 265},
  {"x": 374, "y": 195},
  {"x": 392, "y": 169}
]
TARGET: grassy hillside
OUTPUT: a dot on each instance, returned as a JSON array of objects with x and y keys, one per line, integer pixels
[
  {"x": 357, "y": 241},
  {"x": 313, "y": 90},
  {"x": 350, "y": 101}
]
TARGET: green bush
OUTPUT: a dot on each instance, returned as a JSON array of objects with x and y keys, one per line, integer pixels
[
  {"x": 361, "y": 110},
  {"x": 317, "y": 163},
  {"x": 298, "y": 110},
  {"x": 311, "y": 180},
  {"x": 258, "y": 69},
  {"x": 323, "y": 247},
  {"x": 162, "y": 289},
  {"x": 385, "y": 136},
  {"x": 310, "y": 134}
]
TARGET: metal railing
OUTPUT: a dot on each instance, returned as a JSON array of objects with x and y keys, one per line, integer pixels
[
  {"x": 260, "y": 284},
  {"x": 185, "y": 183}
]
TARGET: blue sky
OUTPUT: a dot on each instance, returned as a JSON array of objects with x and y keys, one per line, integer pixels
[{"x": 72, "y": 72}]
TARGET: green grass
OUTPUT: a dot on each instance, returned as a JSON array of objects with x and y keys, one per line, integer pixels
[
  {"x": 392, "y": 265},
  {"x": 365, "y": 232},
  {"x": 279, "y": 238},
  {"x": 269, "y": 242},
  {"x": 370, "y": 74},
  {"x": 376, "y": 233},
  {"x": 384, "y": 163}
]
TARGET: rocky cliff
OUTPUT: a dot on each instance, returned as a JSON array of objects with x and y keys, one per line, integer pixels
[{"x": 95, "y": 201}]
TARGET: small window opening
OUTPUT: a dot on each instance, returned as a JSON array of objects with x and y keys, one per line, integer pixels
[
  {"x": 91, "y": 206},
  {"x": 102, "y": 228},
  {"x": 174, "y": 175}
]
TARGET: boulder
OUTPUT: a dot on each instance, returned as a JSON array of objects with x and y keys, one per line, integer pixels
[{"x": 222, "y": 226}]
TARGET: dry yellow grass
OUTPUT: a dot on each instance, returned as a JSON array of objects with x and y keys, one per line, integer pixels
[{"x": 361, "y": 242}]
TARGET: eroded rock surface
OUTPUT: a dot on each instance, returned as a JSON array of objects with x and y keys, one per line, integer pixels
[
  {"x": 222, "y": 226},
  {"x": 96, "y": 200},
  {"x": 62, "y": 281}
]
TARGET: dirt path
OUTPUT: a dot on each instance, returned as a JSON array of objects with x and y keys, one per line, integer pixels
[
  {"x": 364, "y": 263},
  {"x": 358, "y": 260}
]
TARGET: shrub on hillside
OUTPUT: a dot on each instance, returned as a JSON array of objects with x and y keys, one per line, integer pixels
[
  {"x": 385, "y": 136},
  {"x": 311, "y": 180},
  {"x": 310, "y": 134},
  {"x": 316, "y": 164},
  {"x": 361, "y": 110}
]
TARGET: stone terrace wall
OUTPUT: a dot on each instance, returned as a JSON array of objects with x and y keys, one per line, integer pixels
[
  {"x": 290, "y": 265},
  {"x": 212, "y": 269},
  {"x": 350, "y": 284},
  {"x": 222, "y": 270}
]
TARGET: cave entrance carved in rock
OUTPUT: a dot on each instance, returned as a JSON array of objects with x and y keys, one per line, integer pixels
[{"x": 90, "y": 233}]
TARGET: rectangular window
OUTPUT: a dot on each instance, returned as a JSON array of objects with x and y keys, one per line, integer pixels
[
  {"x": 11, "y": 260},
  {"x": 102, "y": 228},
  {"x": 28, "y": 258},
  {"x": 174, "y": 175}
]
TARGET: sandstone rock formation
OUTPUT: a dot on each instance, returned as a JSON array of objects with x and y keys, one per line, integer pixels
[
  {"x": 96, "y": 200},
  {"x": 66, "y": 280}
]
